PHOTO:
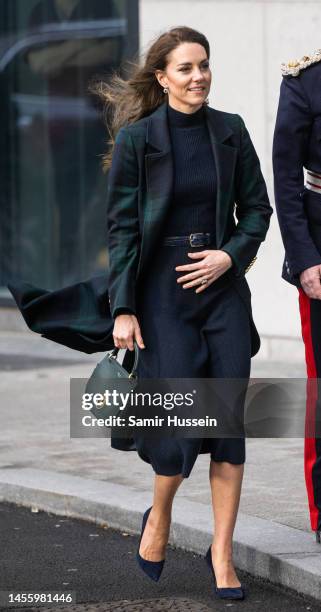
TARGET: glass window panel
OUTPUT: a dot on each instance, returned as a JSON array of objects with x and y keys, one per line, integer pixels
[{"x": 53, "y": 191}]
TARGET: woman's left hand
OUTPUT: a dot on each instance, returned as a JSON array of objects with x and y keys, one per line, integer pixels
[{"x": 210, "y": 266}]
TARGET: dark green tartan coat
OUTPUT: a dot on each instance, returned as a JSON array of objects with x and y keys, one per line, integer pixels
[{"x": 139, "y": 196}]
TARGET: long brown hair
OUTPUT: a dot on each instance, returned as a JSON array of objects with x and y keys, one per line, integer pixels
[{"x": 126, "y": 101}]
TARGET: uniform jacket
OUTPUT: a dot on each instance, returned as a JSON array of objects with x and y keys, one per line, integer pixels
[
  {"x": 297, "y": 145},
  {"x": 139, "y": 197}
]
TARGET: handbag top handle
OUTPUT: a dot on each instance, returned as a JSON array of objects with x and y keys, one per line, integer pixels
[{"x": 114, "y": 354}]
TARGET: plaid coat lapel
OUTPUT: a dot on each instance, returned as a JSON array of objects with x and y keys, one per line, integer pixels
[
  {"x": 159, "y": 170},
  {"x": 225, "y": 160}
]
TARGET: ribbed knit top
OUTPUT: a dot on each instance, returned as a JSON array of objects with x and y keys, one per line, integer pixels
[{"x": 194, "y": 189}]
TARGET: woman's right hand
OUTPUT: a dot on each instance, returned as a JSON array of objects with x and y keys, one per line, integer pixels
[{"x": 126, "y": 330}]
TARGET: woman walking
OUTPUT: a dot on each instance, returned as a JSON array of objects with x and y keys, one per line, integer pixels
[
  {"x": 179, "y": 170},
  {"x": 177, "y": 264}
]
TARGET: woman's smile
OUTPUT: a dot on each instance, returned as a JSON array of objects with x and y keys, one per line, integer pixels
[{"x": 196, "y": 89}]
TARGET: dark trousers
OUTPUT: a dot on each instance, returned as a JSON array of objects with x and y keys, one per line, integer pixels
[
  {"x": 310, "y": 311},
  {"x": 189, "y": 335}
]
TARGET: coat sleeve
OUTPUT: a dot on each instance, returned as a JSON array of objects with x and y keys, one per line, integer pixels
[
  {"x": 123, "y": 224},
  {"x": 252, "y": 207},
  {"x": 290, "y": 144}
]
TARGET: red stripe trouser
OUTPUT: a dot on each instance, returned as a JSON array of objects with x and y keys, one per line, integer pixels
[{"x": 310, "y": 311}]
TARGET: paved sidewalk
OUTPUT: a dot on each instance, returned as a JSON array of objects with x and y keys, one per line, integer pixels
[{"x": 41, "y": 465}]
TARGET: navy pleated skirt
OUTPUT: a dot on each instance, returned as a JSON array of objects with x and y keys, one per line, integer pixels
[{"x": 190, "y": 335}]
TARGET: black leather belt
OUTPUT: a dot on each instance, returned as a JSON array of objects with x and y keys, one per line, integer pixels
[{"x": 193, "y": 240}]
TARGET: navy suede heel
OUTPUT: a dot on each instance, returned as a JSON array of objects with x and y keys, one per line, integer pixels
[
  {"x": 227, "y": 592},
  {"x": 153, "y": 569}
]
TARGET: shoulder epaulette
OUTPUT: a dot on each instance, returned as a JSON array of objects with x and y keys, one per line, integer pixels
[{"x": 294, "y": 67}]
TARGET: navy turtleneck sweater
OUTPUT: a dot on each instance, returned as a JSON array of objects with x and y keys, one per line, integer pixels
[{"x": 194, "y": 189}]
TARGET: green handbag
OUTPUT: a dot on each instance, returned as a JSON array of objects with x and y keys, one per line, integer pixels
[{"x": 105, "y": 376}]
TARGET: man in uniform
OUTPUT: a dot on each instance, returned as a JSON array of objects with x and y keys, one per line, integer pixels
[{"x": 297, "y": 146}]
